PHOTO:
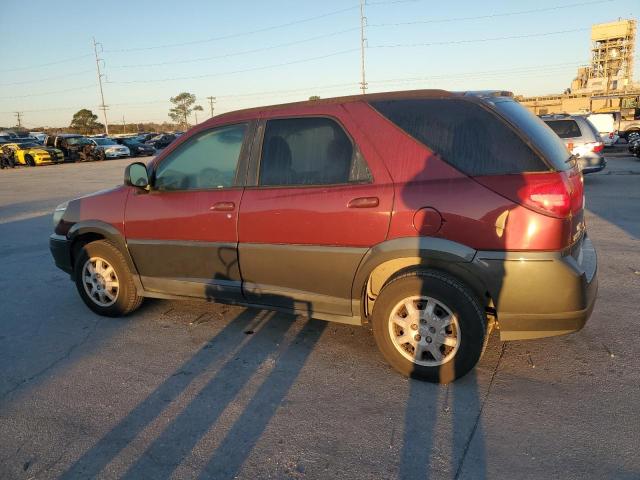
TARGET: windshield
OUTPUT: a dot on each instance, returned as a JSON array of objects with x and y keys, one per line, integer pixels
[
  {"x": 541, "y": 136},
  {"x": 78, "y": 141},
  {"x": 104, "y": 141}
]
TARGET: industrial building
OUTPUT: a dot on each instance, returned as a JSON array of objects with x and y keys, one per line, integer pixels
[{"x": 604, "y": 86}]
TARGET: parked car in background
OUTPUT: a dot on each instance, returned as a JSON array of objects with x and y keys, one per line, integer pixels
[
  {"x": 39, "y": 136},
  {"x": 32, "y": 154},
  {"x": 143, "y": 137},
  {"x": 455, "y": 211},
  {"x": 605, "y": 124},
  {"x": 137, "y": 148},
  {"x": 581, "y": 138},
  {"x": 161, "y": 141},
  {"x": 69, "y": 143},
  {"x": 111, "y": 148}
]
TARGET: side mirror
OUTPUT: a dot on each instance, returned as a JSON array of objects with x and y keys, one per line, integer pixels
[{"x": 135, "y": 175}]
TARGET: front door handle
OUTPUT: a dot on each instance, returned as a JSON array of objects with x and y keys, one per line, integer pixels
[
  {"x": 364, "y": 202},
  {"x": 223, "y": 207}
]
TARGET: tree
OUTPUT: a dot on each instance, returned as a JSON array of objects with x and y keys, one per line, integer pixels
[
  {"x": 181, "y": 111},
  {"x": 197, "y": 108},
  {"x": 314, "y": 97},
  {"x": 85, "y": 121}
]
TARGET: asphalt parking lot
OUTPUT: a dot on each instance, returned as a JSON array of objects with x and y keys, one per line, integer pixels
[{"x": 191, "y": 389}]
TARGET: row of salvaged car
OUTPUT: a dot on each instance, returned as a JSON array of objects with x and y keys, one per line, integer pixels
[{"x": 50, "y": 149}]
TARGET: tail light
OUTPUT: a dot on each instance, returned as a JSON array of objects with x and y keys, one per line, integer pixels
[
  {"x": 552, "y": 193},
  {"x": 549, "y": 194},
  {"x": 598, "y": 147}
]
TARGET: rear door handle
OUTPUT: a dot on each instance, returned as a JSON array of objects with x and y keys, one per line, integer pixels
[
  {"x": 364, "y": 202},
  {"x": 223, "y": 207}
]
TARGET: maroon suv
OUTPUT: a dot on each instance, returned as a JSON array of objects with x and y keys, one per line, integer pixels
[{"x": 431, "y": 215}]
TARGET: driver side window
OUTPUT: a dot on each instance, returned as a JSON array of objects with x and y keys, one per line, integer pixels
[{"x": 207, "y": 161}]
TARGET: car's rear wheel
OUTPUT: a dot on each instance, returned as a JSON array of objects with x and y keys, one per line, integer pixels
[
  {"x": 428, "y": 325},
  {"x": 104, "y": 281}
]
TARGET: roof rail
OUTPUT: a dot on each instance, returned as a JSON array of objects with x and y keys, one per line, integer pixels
[{"x": 488, "y": 93}]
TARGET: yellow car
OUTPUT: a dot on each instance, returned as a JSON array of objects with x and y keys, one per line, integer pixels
[{"x": 32, "y": 154}]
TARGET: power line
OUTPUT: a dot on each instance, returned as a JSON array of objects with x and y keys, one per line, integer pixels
[
  {"x": 54, "y": 92},
  {"x": 259, "y": 30},
  {"x": 241, "y": 52},
  {"x": 476, "y": 40},
  {"x": 46, "y": 79},
  {"x": 45, "y": 64},
  {"x": 492, "y": 15},
  {"x": 238, "y": 34},
  {"x": 252, "y": 69}
]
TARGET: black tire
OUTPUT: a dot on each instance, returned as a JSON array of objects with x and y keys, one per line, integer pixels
[
  {"x": 29, "y": 161},
  {"x": 460, "y": 300},
  {"x": 127, "y": 299}
]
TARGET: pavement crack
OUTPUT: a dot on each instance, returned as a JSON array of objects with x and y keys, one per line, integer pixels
[
  {"x": 51, "y": 365},
  {"x": 477, "y": 422}
]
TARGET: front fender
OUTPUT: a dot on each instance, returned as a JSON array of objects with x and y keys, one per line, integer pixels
[{"x": 108, "y": 232}]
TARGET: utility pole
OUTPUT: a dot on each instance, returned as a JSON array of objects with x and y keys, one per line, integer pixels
[
  {"x": 363, "y": 44},
  {"x": 124, "y": 125},
  {"x": 18, "y": 115},
  {"x": 102, "y": 106},
  {"x": 211, "y": 102}
]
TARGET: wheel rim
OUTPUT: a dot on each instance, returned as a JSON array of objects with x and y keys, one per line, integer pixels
[
  {"x": 100, "y": 281},
  {"x": 424, "y": 331}
]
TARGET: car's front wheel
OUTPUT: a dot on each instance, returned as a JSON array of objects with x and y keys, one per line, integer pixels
[
  {"x": 104, "y": 280},
  {"x": 430, "y": 326}
]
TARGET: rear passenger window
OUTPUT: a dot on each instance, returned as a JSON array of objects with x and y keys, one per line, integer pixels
[
  {"x": 465, "y": 135},
  {"x": 309, "y": 151},
  {"x": 565, "y": 128}
]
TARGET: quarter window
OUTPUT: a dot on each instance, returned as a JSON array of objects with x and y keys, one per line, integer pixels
[
  {"x": 565, "y": 128},
  {"x": 206, "y": 161},
  {"x": 309, "y": 151},
  {"x": 464, "y": 134}
]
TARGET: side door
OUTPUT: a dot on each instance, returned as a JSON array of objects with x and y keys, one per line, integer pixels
[
  {"x": 182, "y": 233},
  {"x": 314, "y": 208}
]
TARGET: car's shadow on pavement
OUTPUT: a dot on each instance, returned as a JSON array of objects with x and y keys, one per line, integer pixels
[{"x": 244, "y": 345}]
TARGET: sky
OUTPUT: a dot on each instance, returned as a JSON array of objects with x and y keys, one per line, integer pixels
[{"x": 249, "y": 53}]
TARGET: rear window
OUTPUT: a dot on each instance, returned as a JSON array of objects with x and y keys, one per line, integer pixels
[
  {"x": 464, "y": 134},
  {"x": 565, "y": 128}
]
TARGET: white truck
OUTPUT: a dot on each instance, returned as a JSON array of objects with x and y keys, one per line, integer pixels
[{"x": 607, "y": 127}]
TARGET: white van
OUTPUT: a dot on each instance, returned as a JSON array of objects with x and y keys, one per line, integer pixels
[{"x": 606, "y": 125}]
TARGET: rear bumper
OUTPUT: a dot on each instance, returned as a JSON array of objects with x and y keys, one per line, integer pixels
[
  {"x": 592, "y": 163},
  {"x": 61, "y": 251},
  {"x": 542, "y": 294}
]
